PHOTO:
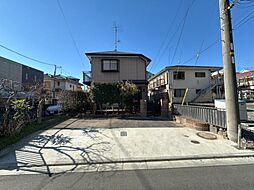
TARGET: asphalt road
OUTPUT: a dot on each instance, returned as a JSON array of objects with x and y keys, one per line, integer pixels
[{"x": 223, "y": 177}]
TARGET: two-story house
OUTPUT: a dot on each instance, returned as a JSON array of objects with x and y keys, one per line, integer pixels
[
  {"x": 245, "y": 82},
  {"x": 116, "y": 66},
  {"x": 172, "y": 83},
  {"x": 60, "y": 83}
]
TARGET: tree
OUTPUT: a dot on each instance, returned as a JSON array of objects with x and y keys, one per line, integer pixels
[
  {"x": 105, "y": 94},
  {"x": 74, "y": 101},
  {"x": 21, "y": 113},
  {"x": 109, "y": 94},
  {"x": 127, "y": 92},
  {"x": 19, "y": 104},
  {"x": 40, "y": 94}
]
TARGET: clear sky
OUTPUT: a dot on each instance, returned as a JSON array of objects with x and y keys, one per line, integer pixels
[{"x": 36, "y": 28}]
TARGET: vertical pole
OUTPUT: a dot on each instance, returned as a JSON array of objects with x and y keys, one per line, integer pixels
[
  {"x": 116, "y": 36},
  {"x": 232, "y": 106},
  {"x": 54, "y": 86}
]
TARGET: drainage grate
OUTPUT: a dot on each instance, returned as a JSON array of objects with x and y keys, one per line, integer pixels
[
  {"x": 123, "y": 133},
  {"x": 195, "y": 142}
]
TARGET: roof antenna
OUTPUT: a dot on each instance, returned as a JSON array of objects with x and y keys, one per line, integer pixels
[{"x": 116, "y": 29}]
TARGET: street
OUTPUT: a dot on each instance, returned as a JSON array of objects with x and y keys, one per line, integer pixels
[{"x": 223, "y": 177}]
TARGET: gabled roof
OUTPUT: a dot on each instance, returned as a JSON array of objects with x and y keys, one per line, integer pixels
[
  {"x": 117, "y": 53},
  {"x": 186, "y": 67}
]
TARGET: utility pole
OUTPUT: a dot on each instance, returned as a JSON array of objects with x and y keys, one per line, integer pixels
[
  {"x": 54, "y": 86},
  {"x": 230, "y": 85}
]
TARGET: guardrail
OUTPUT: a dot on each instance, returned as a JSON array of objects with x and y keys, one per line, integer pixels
[{"x": 209, "y": 115}]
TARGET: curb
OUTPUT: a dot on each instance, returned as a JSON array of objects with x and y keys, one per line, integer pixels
[{"x": 134, "y": 160}]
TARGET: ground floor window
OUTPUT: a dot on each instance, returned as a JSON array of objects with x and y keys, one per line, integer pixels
[{"x": 179, "y": 92}]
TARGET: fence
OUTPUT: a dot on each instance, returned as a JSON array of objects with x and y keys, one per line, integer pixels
[{"x": 209, "y": 115}]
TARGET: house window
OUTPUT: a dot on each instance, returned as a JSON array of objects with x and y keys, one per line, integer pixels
[
  {"x": 26, "y": 76},
  {"x": 110, "y": 65},
  {"x": 58, "y": 83},
  {"x": 179, "y": 75},
  {"x": 200, "y": 74},
  {"x": 35, "y": 78},
  {"x": 70, "y": 85},
  {"x": 179, "y": 92},
  {"x": 198, "y": 91}
]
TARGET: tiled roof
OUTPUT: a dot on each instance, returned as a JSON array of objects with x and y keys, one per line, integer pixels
[{"x": 248, "y": 73}]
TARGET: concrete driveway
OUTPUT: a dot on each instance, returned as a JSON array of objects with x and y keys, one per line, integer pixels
[{"x": 91, "y": 141}]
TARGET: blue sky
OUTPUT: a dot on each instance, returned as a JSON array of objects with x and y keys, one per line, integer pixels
[{"x": 37, "y": 29}]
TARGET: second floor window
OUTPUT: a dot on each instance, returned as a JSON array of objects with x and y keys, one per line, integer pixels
[
  {"x": 199, "y": 74},
  {"x": 109, "y": 65},
  {"x": 179, "y": 75}
]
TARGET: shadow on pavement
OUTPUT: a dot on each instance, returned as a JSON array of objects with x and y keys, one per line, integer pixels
[{"x": 31, "y": 155}]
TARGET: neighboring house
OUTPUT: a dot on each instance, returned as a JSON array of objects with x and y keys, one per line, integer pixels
[
  {"x": 245, "y": 82},
  {"x": 116, "y": 66},
  {"x": 172, "y": 82},
  {"x": 149, "y": 75},
  {"x": 61, "y": 83},
  {"x": 19, "y": 76}
]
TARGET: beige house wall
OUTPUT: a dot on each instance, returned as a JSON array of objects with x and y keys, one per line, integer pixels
[
  {"x": 191, "y": 82},
  {"x": 130, "y": 68}
]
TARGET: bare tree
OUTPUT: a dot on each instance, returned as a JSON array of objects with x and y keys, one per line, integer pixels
[{"x": 39, "y": 93}]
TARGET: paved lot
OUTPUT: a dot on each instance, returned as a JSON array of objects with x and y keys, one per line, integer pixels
[{"x": 79, "y": 141}]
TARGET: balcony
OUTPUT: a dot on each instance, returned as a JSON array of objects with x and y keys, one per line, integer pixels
[{"x": 87, "y": 78}]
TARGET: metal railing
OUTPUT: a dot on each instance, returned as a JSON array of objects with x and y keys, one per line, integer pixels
[{"x": 209, "y": 115}]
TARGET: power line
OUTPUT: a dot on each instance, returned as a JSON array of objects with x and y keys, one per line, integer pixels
[
  {"x": 27, "y": 57},
  {"x": 172, "y": 37},
  {"x": 244, "y": 20},
  {"x": 203, "y": 51},
  {"x": 179, "y": 39},
  {"x": 32, "y": 59},
  {"x": 70, "y": 33},
  {"x": 168, "y": 32},
  {"x": 203, "y": 41}
]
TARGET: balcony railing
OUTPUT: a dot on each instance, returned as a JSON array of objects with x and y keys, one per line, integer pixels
[{"x": 87, "y": 78}]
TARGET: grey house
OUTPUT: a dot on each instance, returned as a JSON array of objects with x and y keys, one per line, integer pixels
[
  {"x": 18, "y": 75},
  {"x": 116, "y": 66}
]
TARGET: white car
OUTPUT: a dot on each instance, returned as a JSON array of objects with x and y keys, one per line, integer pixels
[{"x": 55, "y": 109}]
